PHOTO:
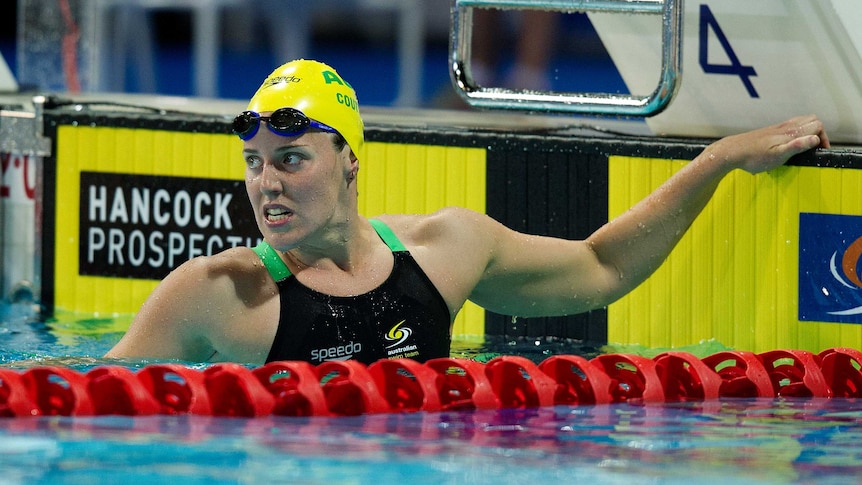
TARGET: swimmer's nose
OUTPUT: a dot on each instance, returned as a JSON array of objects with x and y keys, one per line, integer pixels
[{"x": 270, "y": 180}]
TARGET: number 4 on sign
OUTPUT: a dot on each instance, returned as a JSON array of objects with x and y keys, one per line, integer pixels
[{"x": 707, "y": 22}]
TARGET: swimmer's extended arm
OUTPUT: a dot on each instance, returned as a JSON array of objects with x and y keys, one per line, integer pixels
[{"x": 532, "y": 276}]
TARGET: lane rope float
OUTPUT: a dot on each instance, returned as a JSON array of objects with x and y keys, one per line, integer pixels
[{"x": 349, "y": 388}]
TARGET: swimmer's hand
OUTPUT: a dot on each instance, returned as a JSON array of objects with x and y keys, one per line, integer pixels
[{"x": 766, "y": 148}]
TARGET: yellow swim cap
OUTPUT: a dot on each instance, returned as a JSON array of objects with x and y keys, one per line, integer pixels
[{"x": 318, "y": 91}]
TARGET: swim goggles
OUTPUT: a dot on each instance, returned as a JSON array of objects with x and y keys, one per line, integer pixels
[{"x": 283, "y": 122}]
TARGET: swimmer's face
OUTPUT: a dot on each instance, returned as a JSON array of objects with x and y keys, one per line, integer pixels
[{"x": 299, "y": 187}]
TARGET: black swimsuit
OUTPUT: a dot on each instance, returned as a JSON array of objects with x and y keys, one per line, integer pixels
[{"x": 403, "y": 317}]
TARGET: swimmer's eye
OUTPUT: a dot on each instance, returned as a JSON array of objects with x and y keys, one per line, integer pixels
[
  {"x": 253, "y": 162},
  {"x": 292, "y": 159}
]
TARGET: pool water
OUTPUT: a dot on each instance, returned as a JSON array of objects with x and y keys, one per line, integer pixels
[
  {"x": 762, "y": 441},
  {"x": 748, "y": 441}
]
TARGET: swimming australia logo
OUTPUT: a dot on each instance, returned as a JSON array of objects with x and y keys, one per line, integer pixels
[
  {"x": 399, "y": 349},
  {"x": 397, "y": 335},
  {"x": 830, "y": 253}
]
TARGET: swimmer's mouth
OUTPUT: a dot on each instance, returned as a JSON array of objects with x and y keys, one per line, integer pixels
[{"x": 276, "y": 214}]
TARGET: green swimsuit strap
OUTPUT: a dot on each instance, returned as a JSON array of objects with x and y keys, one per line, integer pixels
[
  {"x": 279, "y": 270},
  {"x": 273, "y": 262},
  {"x": 387, "y": 235}
]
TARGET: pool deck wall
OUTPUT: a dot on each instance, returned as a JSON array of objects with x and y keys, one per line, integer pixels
[{"x": 752, "y": 273}]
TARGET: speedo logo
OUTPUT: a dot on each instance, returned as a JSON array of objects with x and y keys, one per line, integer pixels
[
  {"x": 397, "y": 335},
  {"x": 341, "y": 352},
  {"x": 282, "y": 79}
]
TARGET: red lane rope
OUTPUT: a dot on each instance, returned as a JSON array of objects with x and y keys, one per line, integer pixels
[{"x": 348, "y": 388}]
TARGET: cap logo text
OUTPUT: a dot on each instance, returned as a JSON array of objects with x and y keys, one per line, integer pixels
[
  {"x": 330, "y": 77},
  {"x": 282, "y": 79}
]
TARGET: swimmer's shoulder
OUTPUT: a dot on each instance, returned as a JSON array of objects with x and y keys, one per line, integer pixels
[
  {"x": 230, "y": 260},
  {"x": 234, "y": 270},
  {"x": 443, "y": 226}
]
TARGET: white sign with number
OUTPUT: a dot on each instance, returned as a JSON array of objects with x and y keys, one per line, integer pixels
[{"x": 748, "y": 64}]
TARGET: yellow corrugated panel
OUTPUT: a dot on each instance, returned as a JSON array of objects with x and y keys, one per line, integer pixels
[
  {"x": 734, "y": 276},
  {"x": 420, "y": 179},
  {"x": 123, "y": 150}
]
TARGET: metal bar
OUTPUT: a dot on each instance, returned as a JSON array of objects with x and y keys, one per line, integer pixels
[
  {"x": 626, "y": 6},
  {"x": 21, "y": 132},
  {"x": 565, "y": 102}
]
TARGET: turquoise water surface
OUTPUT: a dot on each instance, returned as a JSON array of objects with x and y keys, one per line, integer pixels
[{"x": 759, "y": 441}]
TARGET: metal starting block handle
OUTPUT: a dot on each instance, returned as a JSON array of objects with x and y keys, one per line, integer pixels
[{"x": 460, "y": 48}]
